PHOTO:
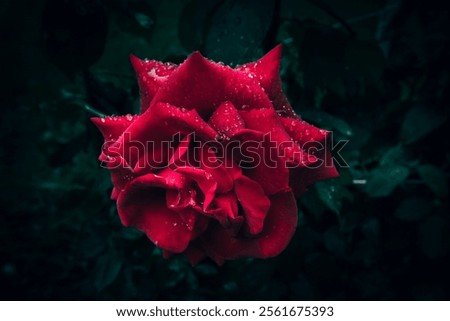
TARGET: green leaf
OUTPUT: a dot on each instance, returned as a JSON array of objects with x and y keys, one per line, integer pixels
[
  {"x": 206, "y": 269},
  {"x": 418, "y": 123},
  {"x": 434, "y": 178},
  {"x": 383, "y": 180},
  {"x": 331, "y": 193},
  {"x": 106, "y": 270},
  {"x": 412, "y": 209},
  {"x": 392, "y": 155}
]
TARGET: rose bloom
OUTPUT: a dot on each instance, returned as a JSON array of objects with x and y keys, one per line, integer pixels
[{"x": 214, "y": 162}]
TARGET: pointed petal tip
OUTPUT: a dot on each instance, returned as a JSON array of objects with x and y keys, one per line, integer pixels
[
  {"x": 278, "y": 48},
  {"x": 196, "y": 56},
  {"x": 135, "y": 62},
  {"x": 275, "y": 52},
  {"x": 97, "y": 121}
]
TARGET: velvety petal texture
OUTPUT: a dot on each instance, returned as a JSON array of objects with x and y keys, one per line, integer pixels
[{"x": 212, "y": 165}]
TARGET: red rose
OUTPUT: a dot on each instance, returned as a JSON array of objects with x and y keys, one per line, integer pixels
[{"x": 215, "y": 160}]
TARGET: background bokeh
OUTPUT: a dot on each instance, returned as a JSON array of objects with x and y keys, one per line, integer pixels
[{"x": 374, "y": 72}]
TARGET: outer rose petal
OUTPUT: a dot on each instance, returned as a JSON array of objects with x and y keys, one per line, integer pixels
[
  {"x": 121, "y": 174},
  {"x": 301, "y": 178},
  {"x": 267, "y": 72},
  {"x": 202, "y": 84},
  {"x": 268, "y": 121},
  {"x": 315, "y": 140},
  {"x": 143, "y": 206},
  {"x": 279, "y": 227},
  {"x": 151, "y": 75},
  {"x": 302, "y": 131},
  {"x": 194, "y": 254},
  {"x": 112, "y": 127}
]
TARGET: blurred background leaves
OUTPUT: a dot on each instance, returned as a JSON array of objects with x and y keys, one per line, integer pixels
[{"x": 374, "y": 72}]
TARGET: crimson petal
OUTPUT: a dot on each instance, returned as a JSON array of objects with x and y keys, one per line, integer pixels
[
  {"x": 315, "y": 141},
  {"x": 203, "y": 84},
  {"x": 254, "y": 203},
  {"x": 151, "y": 75},
  {"x": 159, "y": 124},
  {"x": 279, "y": 227},
  {"x": 226, "y": 119},
  {"x": 267, "y": 72},
  {"x": 112, "y": 127},
  {"x": 142, "y": 206}
]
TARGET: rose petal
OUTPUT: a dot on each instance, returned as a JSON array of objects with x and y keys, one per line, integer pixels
[
  {"x": 180, "y": 154},
  {"x": 315, "y": 141},
  {"x": 112, "y": 127},
  {"x": 226, "y": 212},
  {"x": 267, "y": 72},
  {"x": 159, "y": 124},
  {"x": 303, "y": 132},
  {"x": 279, "y": 227},
  {"x": 260, "y": 162},
  {"x": 204, "y": 180},
  {"x": 194, "y": 221},
  {"x": 226, "y": 120},
  {"x": 121, "y": 174},
  {"x": 254, "y": 203},
  {"x": 151, "y": 75},
  {"x": 194, "y": 254},
  {"x": 202, "y": 84},
  {"x": 143, "y": 206},
  {"x": 301, "y": 178},
  {"x": 210, "y": 164},
  {"x": 267, "y": 121}
]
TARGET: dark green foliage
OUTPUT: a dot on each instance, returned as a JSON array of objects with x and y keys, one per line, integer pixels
[{"x": 373, "y": 72}]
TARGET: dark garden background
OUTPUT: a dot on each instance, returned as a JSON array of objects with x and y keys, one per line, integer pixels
[{"x": 374, "y": 72}]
